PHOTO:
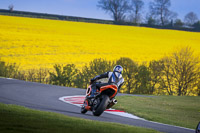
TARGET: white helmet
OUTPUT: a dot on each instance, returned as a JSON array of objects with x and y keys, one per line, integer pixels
[{"x": 118, "y": 68}]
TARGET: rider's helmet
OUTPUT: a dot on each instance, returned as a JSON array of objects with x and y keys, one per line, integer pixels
[{"x": 118, "y": 69}]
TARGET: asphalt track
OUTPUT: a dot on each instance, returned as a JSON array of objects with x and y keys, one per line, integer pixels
[{"x": 46, "y": 97}]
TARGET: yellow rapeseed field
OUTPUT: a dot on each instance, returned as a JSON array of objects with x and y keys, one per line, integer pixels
[{"x": 35, "y": 43}]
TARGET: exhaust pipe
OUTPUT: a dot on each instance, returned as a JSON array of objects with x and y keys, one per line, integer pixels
[{"x": 114, "y": 101}]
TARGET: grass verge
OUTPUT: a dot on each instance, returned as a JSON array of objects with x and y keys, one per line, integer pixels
[
  {"x": 22, "y": 120},
  {"x": 174, "y": 110}
]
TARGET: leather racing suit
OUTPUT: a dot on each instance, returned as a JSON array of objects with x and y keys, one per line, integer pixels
[{"x": 113, "y": 78}]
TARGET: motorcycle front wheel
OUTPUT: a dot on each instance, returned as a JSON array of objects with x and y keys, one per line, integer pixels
[
  {"x": 83, "y": 110},
  {"x": 102, "y": 106}
]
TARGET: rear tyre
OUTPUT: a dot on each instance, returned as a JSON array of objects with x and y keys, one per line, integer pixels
[{"x": 102, "y": 106}]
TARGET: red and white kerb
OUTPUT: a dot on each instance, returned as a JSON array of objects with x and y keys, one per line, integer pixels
[{"x": 79, "y": 99}]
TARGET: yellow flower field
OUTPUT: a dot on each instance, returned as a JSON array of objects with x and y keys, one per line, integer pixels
[{"x": 35, "y": 43}]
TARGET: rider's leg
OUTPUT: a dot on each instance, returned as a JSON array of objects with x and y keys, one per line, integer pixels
[
  {"x": 95, "y": 87},
  {"x": 93, "y": 91}
]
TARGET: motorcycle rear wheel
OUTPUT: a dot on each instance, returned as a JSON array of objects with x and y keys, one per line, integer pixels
[{"x": 102, "y": 106}]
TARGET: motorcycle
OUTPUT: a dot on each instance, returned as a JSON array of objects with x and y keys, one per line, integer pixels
[{"x": 103, "y": 99}]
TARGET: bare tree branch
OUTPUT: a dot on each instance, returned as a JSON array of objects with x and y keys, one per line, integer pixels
[
  {"x": 117, "y": 8},
  {"x": 136, "y": 7},
  {"x": 190, "y": 18},
  {"x": 160, "y": 9}
]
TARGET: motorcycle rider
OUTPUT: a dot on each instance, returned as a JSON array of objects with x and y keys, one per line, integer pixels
[{"x": 114, "y": 77}]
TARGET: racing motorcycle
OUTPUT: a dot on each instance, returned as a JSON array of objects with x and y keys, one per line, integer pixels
[{"x": 103, "y": 99}]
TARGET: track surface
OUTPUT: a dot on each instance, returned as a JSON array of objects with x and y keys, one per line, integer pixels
[{"x": 46, "y": 97}]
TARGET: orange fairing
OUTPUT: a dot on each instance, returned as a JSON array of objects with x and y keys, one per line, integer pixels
[{"x": 114, "y": 87}]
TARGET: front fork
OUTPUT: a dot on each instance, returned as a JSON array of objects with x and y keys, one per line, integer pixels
[{"x": 86, "y": 105}]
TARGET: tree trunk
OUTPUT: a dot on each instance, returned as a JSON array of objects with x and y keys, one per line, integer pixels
[
  {"x": 129, "y": 88},
  {"x": 179, "y": 91}
]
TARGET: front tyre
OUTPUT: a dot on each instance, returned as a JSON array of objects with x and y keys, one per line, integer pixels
[
  {"x": 83, "y": 110},
  {"x": 102, "y": 106}
]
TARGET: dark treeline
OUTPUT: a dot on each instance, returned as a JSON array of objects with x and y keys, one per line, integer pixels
[
  {"x": 176, "y": 74},
  {"x": 150, "y": 21},
  {"x": 53, "y": 16},
  {"x": 34, "y": 75}
]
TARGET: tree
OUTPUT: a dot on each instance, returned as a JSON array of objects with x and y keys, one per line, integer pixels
[
  {"x": 185, "y": 70},
  {"x": 117, "y": 8},
  {"x": 130, "y": 70},
  {"x": 167, "y": 81},
  {"x": 143, "y": 81},
  {"x": 197, "y": 26},
  {"x": 41, "y": 75},
  {"x": 190, "y": 18},
  {"x": 11, "y": 7},
  {"x": 95, "y": 67},
  {"x": 80, "y": 82},
  {"x": 70, "y": 74},
  {"x": 178, "y": 23},
  {"x": 150, "y": 20},
  {"x": 198, "y": 84},
  {"x": 8, "y": 70},
  {"x": 63, "y": 75},
  {"x": 31, "y": 75},
  {"x": 156, "y": 73},
  {"x": 99, "y": 66},
  {"x": 160, "y": 9},
  {"x": 2, "y": 68},
  {"x": 181, "y": 72},
  {"x": 170, "y": 17},
  {"x": 136, "y": 7},
  {"x": 83, "y": 78}
]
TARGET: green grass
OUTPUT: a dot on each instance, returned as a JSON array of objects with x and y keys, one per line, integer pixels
[
  {"x": 19, "y": 119},
  {"x": 175, "y": 110}
]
